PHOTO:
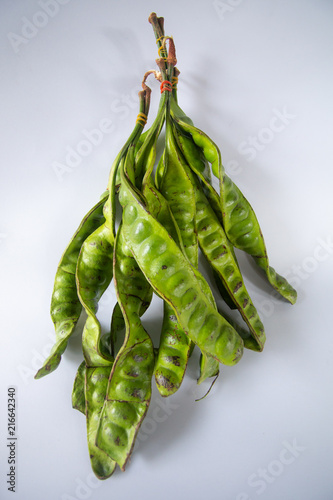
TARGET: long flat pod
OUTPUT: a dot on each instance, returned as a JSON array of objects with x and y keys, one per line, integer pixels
[
  {"x": 96, "y": 382},
  {"x": 65, "y": 303},
  {"x": 172, "y": 277},
  {"x": 177, "y": 189},
  {"x": 93, "y": 276},
  {"x": 175, "y": 346},
  {"x": 218, "y": 252},
  {"x": 78, "y": 396},
  {"x": 239, "y": 220},
  {"x": 129, "y": 389},
  {"x": 177, "y": 213},
  {"x": 200, "y": 166}
]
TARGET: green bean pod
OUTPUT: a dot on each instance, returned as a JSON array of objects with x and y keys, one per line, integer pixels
[
  {"x": 195, "y": 158},
  {"x": 172, "y": 277},
  {"x": 129, "y": 390},
  {"x": 88, "y": 396},
  {"x": 117, "y": 325},
  {"x": 96, "y": 382},
  {"x": 118, "y": 322},
  {"x": 78, "y": 396},
  {"x": 239, "y": 220},
  {"x": 177, "y": 189},
  {"x": 65, "y": 304},
  {"x": 93, "y": 276},
  {"x": 174, "y": 346},
  {"x": 172, "y": 355},
  {"x": 208, "y": 368},
  {"x": 218, "y": 252}
]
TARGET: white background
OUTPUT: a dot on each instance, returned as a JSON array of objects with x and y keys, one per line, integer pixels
[{"x": 242, "y": 63}]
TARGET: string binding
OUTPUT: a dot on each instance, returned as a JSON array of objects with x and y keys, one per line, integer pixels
[
  {"x": 142, "y": 119},
  {"x": 166, "y": 85}
]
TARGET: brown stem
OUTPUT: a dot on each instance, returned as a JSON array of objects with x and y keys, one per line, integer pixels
[{"x": 158, "y": 27}]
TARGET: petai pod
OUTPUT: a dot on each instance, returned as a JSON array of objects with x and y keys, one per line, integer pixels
[
  {"x": 239, "y": 220},
  {"x": 65, "y": 304},
  {"x": 177, "y": 189},
  {"x": 174, "y": 346},
  {"x": 196, "y": 160},
  {"x": 219, "y": 253},
  {"x": 172, "y": 277},
  {"x": 96, "y": 382},
  {"x": 129, "y": 389},
  {"x": 93, "y": 276},
  {"x": 78, "y": 396}
]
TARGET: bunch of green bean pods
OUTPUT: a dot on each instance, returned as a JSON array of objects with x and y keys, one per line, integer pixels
[{"x": 170, "y": 215}]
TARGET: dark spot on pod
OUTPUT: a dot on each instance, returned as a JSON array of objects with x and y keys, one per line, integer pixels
[
  {"x": 237, "y": 287},
  {"x": 164, "y": 267},
  {"x": 216, "y": 257},
  {"x": 245, "y": 303},
  {"x": 136, "y": 393},
  {"x": 164, "y": 382},
  {"x": 138, "y": 358},
  {"x": 117, "y": 441},
  {"x": 173, "y": 359}
]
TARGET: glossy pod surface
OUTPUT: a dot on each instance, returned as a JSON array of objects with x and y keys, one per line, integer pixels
[
  {"x": 175, "y": 346},
  {"x": 172, "y": 277},
  {"x": 65, "y": 304},
  {"x": 96, "y": 382},
  {"x": 239, "y": 220},
  {"x": 176, "y": 184},
  {"x": 129, "y": 389},
  {"x": 177, "y": 189},
  {"x": 78, "y": 396},
  {"x": 155, "y": 244},
  {"x": 218, "y": 252},
  {"x": 93, "y": 276}
]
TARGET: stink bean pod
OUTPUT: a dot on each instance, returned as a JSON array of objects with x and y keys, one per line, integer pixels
[
  {"x": 65, "y": 304},
  {"x": 93, "y": 276},
  {"x": 172, "y": 277},
  {"x": 96, "y": 382},
  {"x": 218, "y": 252},
  {"x": 78, "y": 396},
  {"x": 174, "y": 346},
  {"x": 239, "y": 220},
  {"x": 177, "y": 189},
  {"x": 155, "y": 248},
  {"x": 129, "y": 389}
]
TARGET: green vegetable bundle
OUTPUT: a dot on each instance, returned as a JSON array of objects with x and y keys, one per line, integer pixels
[{"x": 169, "y": 213}]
